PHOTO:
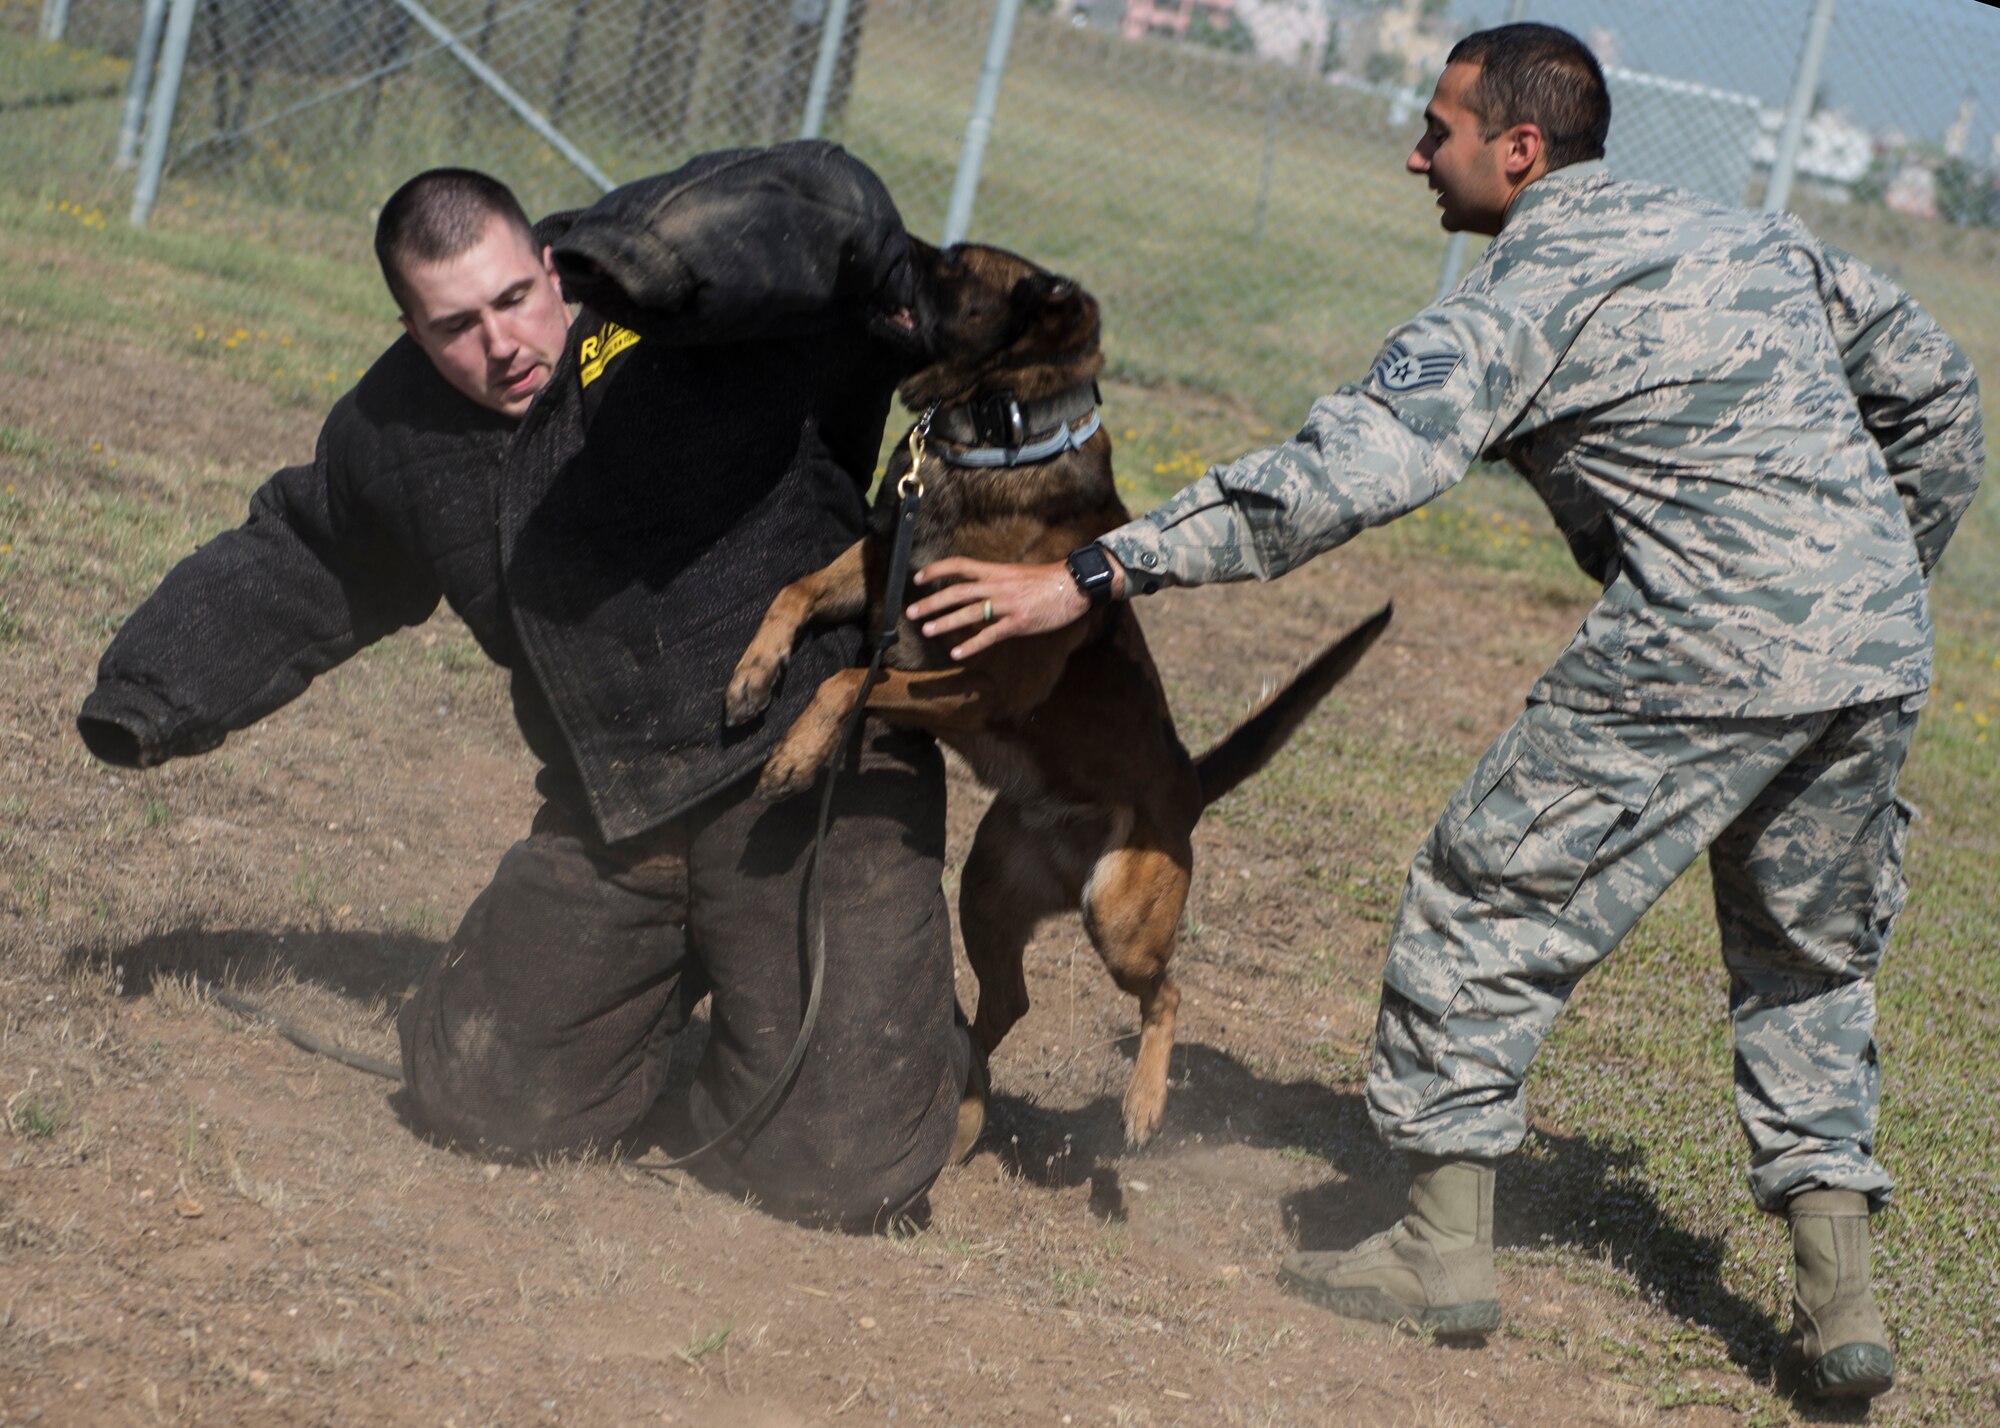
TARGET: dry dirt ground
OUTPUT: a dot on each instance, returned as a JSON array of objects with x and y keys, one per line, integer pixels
[{"x": 201, "y": 1223}]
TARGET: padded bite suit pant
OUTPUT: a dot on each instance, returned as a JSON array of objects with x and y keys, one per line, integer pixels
[{"x": 547, "y": 1024}]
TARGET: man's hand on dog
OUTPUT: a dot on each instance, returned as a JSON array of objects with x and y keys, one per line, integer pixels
[{"x": 1022, "y": 600}]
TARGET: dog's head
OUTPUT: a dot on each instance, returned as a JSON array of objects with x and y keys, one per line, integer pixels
[{"x": 989, "y": 319}]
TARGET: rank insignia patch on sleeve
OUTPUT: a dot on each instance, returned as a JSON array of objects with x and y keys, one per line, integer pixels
[{"x": 1399, "y": 369}]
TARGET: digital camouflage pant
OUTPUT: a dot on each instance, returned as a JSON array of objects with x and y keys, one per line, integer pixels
[{"x": 1568, "y": 829}]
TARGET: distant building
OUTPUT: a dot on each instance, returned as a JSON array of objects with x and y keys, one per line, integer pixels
[
  {"x": 1401, "y": 42},
  {"x": 1912, "y": 190},
  {"x": 1835, "y": 153},
  {"x": 1104, "y": 15},
  {"x": 1173, "y": 17},
  {"x": 1293, "y": 32},
  {"x": 1960, "y": 131}
]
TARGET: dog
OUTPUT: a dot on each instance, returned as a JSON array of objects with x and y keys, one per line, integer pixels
[{"x": 1095, "y": 798}]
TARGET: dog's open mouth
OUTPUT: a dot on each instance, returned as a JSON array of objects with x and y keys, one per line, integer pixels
[{"x": 901, "y": 327}]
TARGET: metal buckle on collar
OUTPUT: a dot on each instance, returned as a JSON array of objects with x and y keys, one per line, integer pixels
[{"x": 997, "y": 420}]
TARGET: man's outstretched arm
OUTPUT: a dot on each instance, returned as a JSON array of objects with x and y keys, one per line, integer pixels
[
  {"x": 244, "y": 624},
  {"x": 1445, "y": 387}
]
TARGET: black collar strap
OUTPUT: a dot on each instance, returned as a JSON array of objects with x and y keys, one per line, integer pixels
[{"x": 1000, "y": 430}]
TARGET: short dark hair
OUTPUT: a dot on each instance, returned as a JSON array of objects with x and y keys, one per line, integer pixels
[
  {"x": 1540, "y": 75},
  {"x": 437, "y": 215}
]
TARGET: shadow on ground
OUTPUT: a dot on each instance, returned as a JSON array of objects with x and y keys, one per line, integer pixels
[
  {"x": 1578, "y": 1194},
  {"x": 368, "y": 967}
]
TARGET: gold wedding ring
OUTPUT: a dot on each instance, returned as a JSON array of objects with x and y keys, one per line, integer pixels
[{"x": 989, "y": 612}]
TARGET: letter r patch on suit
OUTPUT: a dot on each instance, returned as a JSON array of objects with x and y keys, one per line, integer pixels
[
  {"x": 597, "y": 350},
  {"x": 1399, "y": 369}
]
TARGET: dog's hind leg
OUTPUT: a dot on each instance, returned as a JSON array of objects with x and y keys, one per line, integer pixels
[
  {"x": 1132, "y": 910},
  {"x": 1010, "y": 883}
]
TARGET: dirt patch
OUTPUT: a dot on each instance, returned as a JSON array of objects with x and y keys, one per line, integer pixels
[{"x": 199, "y": 1222}]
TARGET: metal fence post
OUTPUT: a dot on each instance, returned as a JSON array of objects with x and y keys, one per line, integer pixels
[
  {"x": 1778, "y": 189},
  {"x": 1264, "y": 170},
  {"x": 965, "y": 185},
  {"x": 55, "y": 19},
  {"x": 147, "y": 52},
  {"x": 564, "y": 76},
  {"x": 828, "y": 60},
  {"x": 160, "y": 121}
]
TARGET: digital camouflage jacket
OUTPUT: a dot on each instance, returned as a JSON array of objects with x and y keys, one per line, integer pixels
[{"x": 1758, "y": 444}]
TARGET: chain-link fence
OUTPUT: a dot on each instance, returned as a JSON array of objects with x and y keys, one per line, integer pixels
[{"x": 1225, "y": 174}]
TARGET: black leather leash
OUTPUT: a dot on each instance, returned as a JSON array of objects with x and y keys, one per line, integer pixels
[
  {"x": 299, "y": 1036},
  {"x": 910, "y": 491}
]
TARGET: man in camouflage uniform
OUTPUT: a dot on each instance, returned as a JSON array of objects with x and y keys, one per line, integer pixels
[{"x": 1761, "y": 447}]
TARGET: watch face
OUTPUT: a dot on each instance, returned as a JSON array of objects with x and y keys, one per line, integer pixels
[{"x": 1091, "y": 569}]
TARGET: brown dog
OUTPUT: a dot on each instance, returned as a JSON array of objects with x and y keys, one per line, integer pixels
[{"x": 1096, "y": 798}]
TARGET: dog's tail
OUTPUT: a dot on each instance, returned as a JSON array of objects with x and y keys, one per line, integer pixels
[{"x": 1250, "y": 745}]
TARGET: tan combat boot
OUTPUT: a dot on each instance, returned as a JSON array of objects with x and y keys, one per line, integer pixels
[
  {"x": 1433, "y": 1270},
  {"x": 1835, "y": 1329}
]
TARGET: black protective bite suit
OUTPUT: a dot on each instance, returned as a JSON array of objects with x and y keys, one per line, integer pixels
[{"x": 614, "y": 554}]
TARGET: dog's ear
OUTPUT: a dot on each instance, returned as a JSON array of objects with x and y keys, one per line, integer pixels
[
  {"x": 1063, "y": 302},
  {"x": 1052, "y": 310},
  {"x": 1044, "y": 299},
  {"x": 1031, "y": 294}
]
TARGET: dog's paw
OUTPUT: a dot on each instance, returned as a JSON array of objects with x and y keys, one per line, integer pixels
[
  {"x": 750, "y": 688},
  {"x": 971, "y": 1110},
  {"x": 1143, "y": 1114},
  {"x": 791, "y": 769}
]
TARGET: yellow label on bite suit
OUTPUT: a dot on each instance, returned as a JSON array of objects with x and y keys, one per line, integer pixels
[{"x": 599, "y": 348}]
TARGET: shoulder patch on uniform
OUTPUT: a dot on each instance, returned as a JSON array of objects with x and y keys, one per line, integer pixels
[
  {"x": 597, "y": 350},
  {"x": 1400, "y": 370}
]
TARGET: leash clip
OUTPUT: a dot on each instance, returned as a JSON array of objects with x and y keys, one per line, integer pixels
[{"x": 912, "y": 482}]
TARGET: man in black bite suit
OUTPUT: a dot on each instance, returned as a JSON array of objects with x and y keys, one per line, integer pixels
[{"x": 609, "y": 505}]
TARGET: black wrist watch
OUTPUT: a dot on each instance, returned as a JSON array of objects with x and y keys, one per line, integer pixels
[{"x": 1090, "y": 568}]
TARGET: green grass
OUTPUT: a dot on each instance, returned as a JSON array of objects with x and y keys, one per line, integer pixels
[
  {"x": 1202, "y": 287},
  {"x": 36, "y": 1117},
  {"x": 230, "y": 285},
  {"x": 1136, "y": 167}
]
